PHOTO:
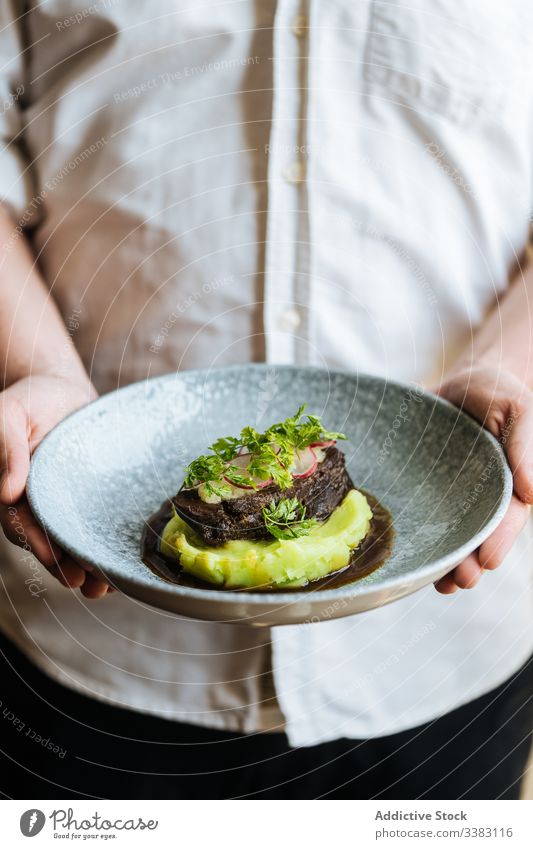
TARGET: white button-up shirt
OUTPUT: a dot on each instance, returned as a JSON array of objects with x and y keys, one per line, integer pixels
[{"x": 343, "y": 184}]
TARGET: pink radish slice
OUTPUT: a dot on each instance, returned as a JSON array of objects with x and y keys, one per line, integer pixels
[
  {"x": 326, "y": 444},
  {"x": 260, "y": 484},
  {"x": 242, "y": 461},
  {"x": 305, "y": 463},
  {"x": 243, "y": 486}
]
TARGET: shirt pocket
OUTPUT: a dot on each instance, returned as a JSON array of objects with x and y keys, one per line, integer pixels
[{"x": 464, "y": 59}]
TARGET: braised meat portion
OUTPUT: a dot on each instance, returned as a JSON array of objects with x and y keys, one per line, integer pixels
[{"x": 241, "y": 518}]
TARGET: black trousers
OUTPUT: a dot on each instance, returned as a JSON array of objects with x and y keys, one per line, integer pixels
[{"x": 57, "y": 744}]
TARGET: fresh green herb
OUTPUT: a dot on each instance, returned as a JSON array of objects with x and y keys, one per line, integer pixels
[
  {"x": 286, "y": 519},
  {"x": 203, "y": 469},
  {"x": 272, "y": 454},
  {"x": 268, "y": 464},
  {"x": 219, "y": 490},
  {"x": 211, "y": 469},
  {"x": 226, "y": 447},
  {"x": 300, "y": 433}
]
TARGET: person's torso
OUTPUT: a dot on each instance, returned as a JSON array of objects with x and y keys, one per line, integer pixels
[
  {"x": 345, "y": 184},
  {"x": 234, "y": 182}
]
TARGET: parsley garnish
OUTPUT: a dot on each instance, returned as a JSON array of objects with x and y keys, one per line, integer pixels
[
  {"x": 272, "y": 454},
  {"x": 286, "y": 519},
  {"x": 211, "y": 469},
  {"x": 300, "y": 434}
]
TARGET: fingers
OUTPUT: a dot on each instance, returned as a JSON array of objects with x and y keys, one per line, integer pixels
[
  {"x": 517, "y": 439},
  {"x": 494, "y": 550},
  {"x": 468, "y": 573},
  {"x": 72, "y": 575},
  {"x": 491, "y": 553},
  {"x": 94, "y": 587},
  {"x": 446, "y": 585},
  {"x": 463, "y": 577},
  {"x": 68, "y": 572},
  {"x": 14, "y": 451},
  {"x": 21, "y": 528},
  {"x": 504, "y": 405}
]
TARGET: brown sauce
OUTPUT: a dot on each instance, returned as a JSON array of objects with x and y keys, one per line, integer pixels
[{"x": 370, "y": 555}]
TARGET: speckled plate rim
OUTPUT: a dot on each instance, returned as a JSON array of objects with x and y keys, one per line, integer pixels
[{"x": 419, "y": 577}]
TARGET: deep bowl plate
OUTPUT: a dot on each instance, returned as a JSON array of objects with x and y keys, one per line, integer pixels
[{"x": 104, "y": 470}]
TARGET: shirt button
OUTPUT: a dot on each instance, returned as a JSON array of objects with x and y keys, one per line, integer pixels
[
  {"x": 299, "y": 25},
  {"x": 290, "y": 320},
  {"x": 295, "y": 172}
]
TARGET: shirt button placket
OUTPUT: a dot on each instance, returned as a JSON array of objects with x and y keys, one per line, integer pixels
[{"x": 286, "y": 186}]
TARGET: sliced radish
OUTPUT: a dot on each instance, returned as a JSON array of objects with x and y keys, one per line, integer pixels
[
  {"x": 243, "y": 486},
  {"x": 242, "y": 461},
  {"x": 326, "y": 444},
  {"x": 260, "y": 483},
  {"x": 305, "y": 463}
]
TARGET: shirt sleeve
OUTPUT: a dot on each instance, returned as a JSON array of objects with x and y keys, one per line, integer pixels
[{"x": 15, "y": 172}]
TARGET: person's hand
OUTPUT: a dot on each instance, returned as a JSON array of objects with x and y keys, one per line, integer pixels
[
  {"x": 504, "y": 405},
  {"x": 28, "y": 410}
]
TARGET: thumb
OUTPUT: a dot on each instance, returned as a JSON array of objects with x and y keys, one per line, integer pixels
[
  {"x": 517, "y": 439},
  {"x": 14, "y": 451}
]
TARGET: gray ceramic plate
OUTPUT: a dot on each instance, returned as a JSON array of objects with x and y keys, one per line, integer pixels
[{"x": 103, "y": 471}]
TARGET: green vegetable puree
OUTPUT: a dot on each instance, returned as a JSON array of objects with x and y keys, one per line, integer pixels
[{"x": 265, "y": 564}]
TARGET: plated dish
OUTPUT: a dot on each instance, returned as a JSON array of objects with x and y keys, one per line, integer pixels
[
  {"x": 100, "y": 475},
  {"x": 270, "y": 510}
]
